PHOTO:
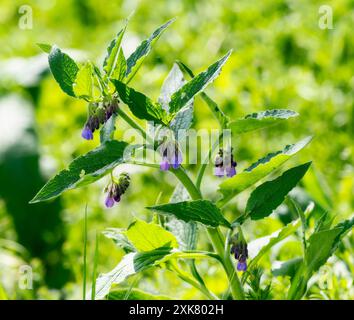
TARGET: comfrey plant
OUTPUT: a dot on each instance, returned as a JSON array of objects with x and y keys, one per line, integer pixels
[{"x": 161, "y": 242}]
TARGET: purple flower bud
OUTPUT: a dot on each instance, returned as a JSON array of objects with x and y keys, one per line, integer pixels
[
  {"x": 164, "y": 165},
  {"x": 177, "y": 160},
  {"x": 230, "y": 171},
  {"x": 116, "y": 197},
  {"x": 87, "y": 133},
  {"x": 242, "y": 266},
  {"x": 219, "y": 171},
  {"x": 109, "y": 201}
]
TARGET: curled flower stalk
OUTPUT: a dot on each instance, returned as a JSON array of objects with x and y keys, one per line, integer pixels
[{"x": 115, "y": 189}]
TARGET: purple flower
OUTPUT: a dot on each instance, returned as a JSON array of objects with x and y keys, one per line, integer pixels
[
  {"x": 109, "y": 201},
  {"x": 87, "y": 133},
  {"x": 219, "y": 171},
  {"x": 230, "y": 171},
  {"x": 164, "y": 164},
  {"x": 242, "y": 266},
  {"x": 177, "y": 159}
]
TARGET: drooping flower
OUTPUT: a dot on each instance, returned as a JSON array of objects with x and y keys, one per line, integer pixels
[
  {"x": 240, "y": 251},
  {"x": 116, "y": 189},
  {"x": 170, "y": 155},
  {"x": 224, "y": 163},
  {"x": 87, "y": 133}
]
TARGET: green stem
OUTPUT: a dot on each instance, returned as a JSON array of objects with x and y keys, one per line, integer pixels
[{"x": 187, "y": 278}]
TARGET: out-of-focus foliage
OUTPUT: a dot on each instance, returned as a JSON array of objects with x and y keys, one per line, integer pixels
[{"x": 281, "y": 59}]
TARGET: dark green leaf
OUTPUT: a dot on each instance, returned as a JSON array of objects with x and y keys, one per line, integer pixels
[
  {"x": 233, "y": 186},
  {"x": 260, "y": 120},
  {"x": 203, "y": 211},
  {"x": 137, "y": 57},
  {"x": 64, "y": 69},
  {"x": 84, "y": 170},
  {"x": 139, "y": 104},
  {"x": 185, "y": 94},
  {"x": 269, "y": 195},
  {"x": 287, "y": 268}
]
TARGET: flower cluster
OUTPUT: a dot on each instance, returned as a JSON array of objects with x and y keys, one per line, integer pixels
[
  {"x": 98, "y": 114},
  {"x": 116, "y": 189},
  {"x": 225, "y": 163},
  {"x": 171, "y": 155},
  {"x": 240, "y": 251}
]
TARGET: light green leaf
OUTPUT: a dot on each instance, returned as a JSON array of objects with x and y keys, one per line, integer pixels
[
  {"x": 107, "y": 130},
  {"x": 260, "y": 120},
  {"x": 233, "y": 186},
  {"x": 134, "y": 294},
  {"x": 137, "y": 57},
  {"x": 84, "y": 170},
  {"x": 148, "y": 236},
  {"x": 119, "y": 238},
  {"x": 269, "y": 195},
  {"x": 131, "y": 263},
  {"x": 186, "y": 232},
  {"x": 82, "y": 86},
  {"x": 64, "y": 69},
  {"x": 139, "y": 104},
  {"x": 114, "y": 63},
  {"x": 203, "y": 211},
  {"x": 45, "y": 47},
  {"x": 185, "y": 94}
]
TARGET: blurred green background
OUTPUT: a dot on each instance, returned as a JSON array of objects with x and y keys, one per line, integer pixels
[{"x": 281, "y": 59}]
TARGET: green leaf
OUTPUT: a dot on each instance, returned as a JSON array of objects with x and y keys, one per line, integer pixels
[
  {"x": 64, "y": 69},
  {"x": 114, "y": 63},
  {"x": 266, "y": 243},
  {"x": 183, "y": 118},
  {"x": 137, "y": 57},
  {"x": 84, "y": 170},
  {"x": 119, "y": 238},
  {"x": 82, "y": 86},
  {"x": 260, "y": 120},
  {"x": 131, "y": 263},
  {"x": 203, "y": 211},
  {"x": 134, "y": 294},
  {"x": 287, "y": 268},
  {"x": 185, "y": 94},
  {"x": 45, "y": 47},
  {"x": 107, "y": 130},
  {"x": 186, "y": 232},
  {"x": 139, "y": 104},
  {"x": 269, "y": 195},
  {"x": 233, "y": 186},
  {"x": 148, "y": 236}
]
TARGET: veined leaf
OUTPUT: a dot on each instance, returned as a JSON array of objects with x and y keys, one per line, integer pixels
[
  {"x": 82, "y": 86},
  {"x": 185, "y": 94},
  {"x": 260, "y": 120},
  {"x": 137, "y": 57},
  {"x": 203, "y": 211},
  {"x": 149, "y": 236},
  {"x": 64, "y": 69},
  {"x": 119, "y": 238},
  {"x": 84, "y": 170},
  {"x": 287, "y": 268},
  {"x": 134, "y": 294},
  {"x": 269, "y": 195},
  {"x": 186, "y": 232},
  {"x": 130, "y": 264},
  {"x": 233, "y": 186},
  {"x": 139, "y": 104},
  {"x": 114, "y": 63}
]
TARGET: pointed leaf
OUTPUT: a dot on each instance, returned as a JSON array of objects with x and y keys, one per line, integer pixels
[
  {"x": 185, "y": 95},
  {"x": 45, "y": 47},
  {"x": 137, "y": 57},
  {"x": 82, "y": 86},
  {"x": 64, "y": 69},
  {"x": 84, "y": 170},
  {"x": 233, "y": 186},
  {"x": 269, "y": 195},
  {"x": 203, "y": 211},
  {"x": 107, "y": 130},
  {"x": 260, "y": 120},
  {"x": 139, "y": 104}
]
